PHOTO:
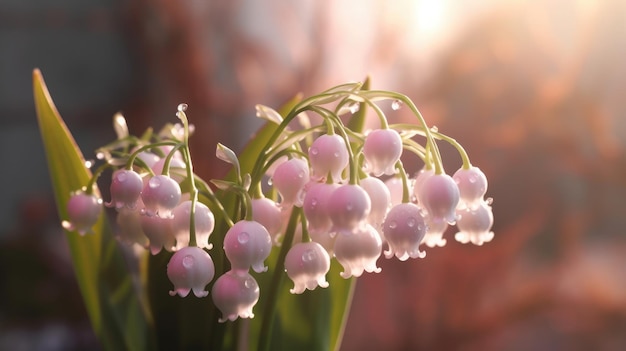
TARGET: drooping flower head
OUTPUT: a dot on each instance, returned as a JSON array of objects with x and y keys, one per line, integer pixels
[
  {"x": 472, "y": 185},
  {"x": 204, "y": 224},
  {"x": 306, "y": 265},
  {"x": 190, "y": 269},
  {"x": 328, "y": 155},
  {"x": 289, "y": 180},
  {"x": 382, "y": 149},
  {"x": 269, "y": 214},
  {"x": 83, "y": 211},
  {"x": 358, "y": 251},
  {"x": 247, "y": 244},
  {"x": 160, "y": 233},
  {"x": 126, "y": 187},
  {"x": 160, "y": 195},
  {"x": 404, "y": 228},
  {"x": 439, "y": 195},
  {"x": 235, "y": 293},
  {"x": 316, "y": 206},
  {"x": 475, "y": 224},
  {"x": 348, "y": 206},
  {"x": 380, "y": 199}
]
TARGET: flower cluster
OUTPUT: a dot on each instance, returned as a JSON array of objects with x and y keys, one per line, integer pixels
[{"x": 316, "y": 192}]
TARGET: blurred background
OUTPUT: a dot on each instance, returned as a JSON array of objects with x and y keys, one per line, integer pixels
[{"x": 534, "y": 90}]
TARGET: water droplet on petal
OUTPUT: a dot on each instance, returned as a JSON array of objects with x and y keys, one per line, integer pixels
[
  {"x": 182, "y": 107},
  {"x": 308, "y": 255},
  {"x": 393, "y": 224},
  {"x": 314, "y": 151},
  {"x": 411, "y": 222},
  {"x": 489, "y": 200},
  {"x": 301, "y": 175},
  {"x": 349, "y": 206},
  {"x": 270, "y": 182},
  {"x": 243, "y": 237},
  {"x": 121, "y": 177},
  {"x": 336, "y": 154},
  {"x": 154, "y": 182},
  {"x": 249, "y": 283},
  {"x": 188, "y": 261},
  {"x": 396, "y": 104},
  {"x": 472, "y": 179}
]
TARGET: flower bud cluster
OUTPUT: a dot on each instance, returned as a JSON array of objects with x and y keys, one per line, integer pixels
[{"x": 331, "y": 193}]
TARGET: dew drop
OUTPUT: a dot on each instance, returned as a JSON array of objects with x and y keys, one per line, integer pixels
[
  {"x": 308, "y": 255},
  {"x": 188, "y": 261},
  {"x": 270, "y": 182},
  {"x": 472, "y": 179},
  {"x": 411, "y": 222},
  {"x": 396, "y": 104},
  {"x": 434, "y": 129},
  {"x": 249, "y": 283},
  {"x": 100, "y": 155},
  {"x": 314, "y": 151},
  {"x": 182, "y": 107},
  {"x": 121, "y": 177},
  {"x": 393, "y": 224},
  {"x": 336, "y": 154},
  {"x": 489, "y": 200},
  {"x": 301, "y": 175},
  {"x": 349, "y": 206},
  {"x": 89, "y": 163},
  {"x": 354, "y": 108},
  {"x": 154, "y": 182},
  {"x": 243, "y": 237},
  {"x": 420, "y": 227}
]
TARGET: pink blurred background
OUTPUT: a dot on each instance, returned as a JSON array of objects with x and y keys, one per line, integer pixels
[{"x": 534, "y": 90}]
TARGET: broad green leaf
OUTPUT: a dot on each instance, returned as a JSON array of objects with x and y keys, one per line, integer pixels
[{"x": 115, "y": 309}]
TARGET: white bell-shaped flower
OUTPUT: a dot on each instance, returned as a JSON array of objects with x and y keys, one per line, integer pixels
[
  {"x": 328, "y": 154},
  {"x": 247, "y": 244},
  {"x": 439, "y": 196},
  {"x": 160, "y": 195},
  {"x": 289, "y": 180},
  {"x": 472, "y": 185},
  {"x": 315, "y": 206},
  {"x": 348, "y": 206},
  {"x": 235, "y": 293},
  {"x": 204, "y": 224},
  {"x": 358, "y": 251},
  {"x": 434, "y": 234},
  {"x": 160, "y": 233},
  {"x": 380, "y": 198},
  {"x": 382, "y": 148},
  {"x": 269, "y": 214},
  {"x": 306, "y": 265},
  {"x": 83, "y": 211},
  {"x": 475, "y": 224},
  {"x": 404, "y": 228},
  {"x": 126, "y": 187},
  {"x": 190, "y": 269}
]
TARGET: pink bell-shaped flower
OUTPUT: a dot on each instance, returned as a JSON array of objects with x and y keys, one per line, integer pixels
[
  {"x": 328, "y": 154},
  {"x": 382, "y": 149},
  {"x": 268, "y": 213},
  {"x": 247, "y": 244},
  {"x": 422, "y": 175},
  {"x": 307, "y": 264},
  {"x": 434, "y": 234},
  {"x": 204, "y": 224},
  {"x": 348, "y": 206},
  {"x": 404, "y": 228},
  {"x": 235, "y": 293},
  {"x": 177, "y": 170},
  {"x": 160, "y": 195},
  {"x": 358, "y": 251},
  {"x": 315, "y": 206},
  {"x": 160, "y": 233},
  {"x": 129, "y": 228},
  {"x": 190, "y": 269},
  {"x": 380, "y": 198},
  {"x": 83, "y": 211},
  {"x": 289, "y": 179},
  {"x": 439, "y": 196},
  {"x": 472, "y": 185},
  {"x": 126, "y": 187},
  {"x": 475, "y": 224}
]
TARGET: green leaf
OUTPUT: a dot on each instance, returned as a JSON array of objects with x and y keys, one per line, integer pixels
[{"x": 115, "y": 309}]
